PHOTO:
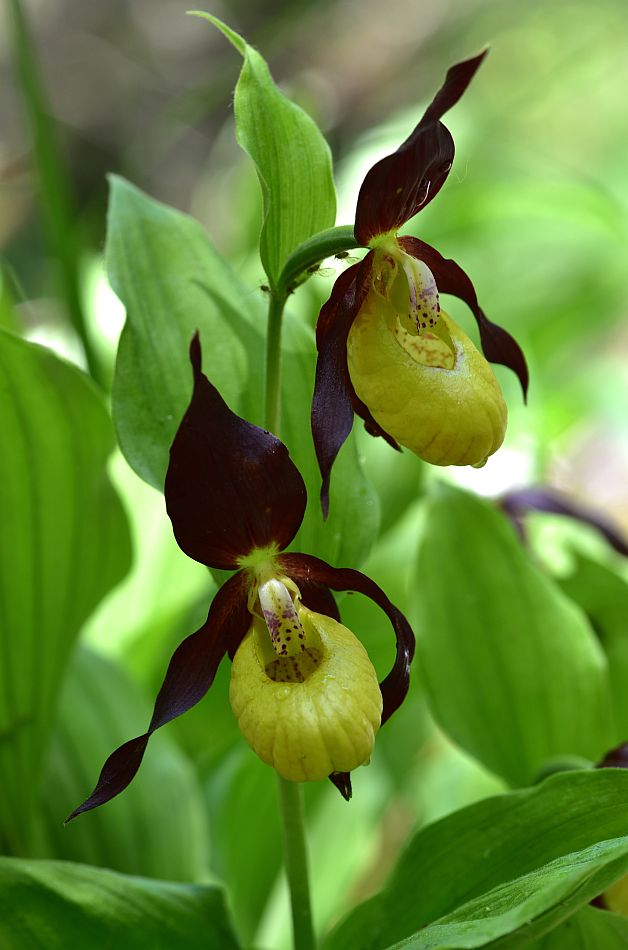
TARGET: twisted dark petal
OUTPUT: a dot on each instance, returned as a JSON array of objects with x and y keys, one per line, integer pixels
[
  {"x": 342, "y": 781},
  {"x": 335, "y": 400},
  {"x": 402, "y": 183},
  {"x": 190, "y": 674},
  {"x": 497, "y": 343},
  {"x": 306, "y": 567},
  {"x": 617, "y": 758},
  {"x": 230, "y": 486},
  {"x": 540, "y": 498}
]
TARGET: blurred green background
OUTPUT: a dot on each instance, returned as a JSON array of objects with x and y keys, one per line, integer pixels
[{"x": 536, "y": 210}]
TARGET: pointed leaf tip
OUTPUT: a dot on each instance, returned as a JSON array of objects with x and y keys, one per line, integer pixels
[{"x": 231, "y": 487}]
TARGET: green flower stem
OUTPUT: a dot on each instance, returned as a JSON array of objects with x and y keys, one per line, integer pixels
[
  {"x": 291, "y": 794},
  {"x": 295, "y": 854},
  {"x": 273, "y": 362}
]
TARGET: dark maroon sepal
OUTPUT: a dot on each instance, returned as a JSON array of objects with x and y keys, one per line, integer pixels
[
  {"x": 540, "y": 498},
  {"x": 335, "y": 400},
  {"x": 306, "y": 567},
  {"x": 230, "y": 486},
  {"x": 342, "y": 781},
  {"x": 497, "y": 344},
  {"x": 190, "y": 674},
  {"x": 402, "y": 183},
  {"x": 617, "y": 758}
]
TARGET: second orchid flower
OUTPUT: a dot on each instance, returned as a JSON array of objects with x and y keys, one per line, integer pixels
[{"x": 386, "y": 350}]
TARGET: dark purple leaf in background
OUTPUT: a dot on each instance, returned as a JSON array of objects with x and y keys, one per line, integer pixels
[
  {"x": 617, "y": 758},
  {"x": 541, "y": 498}
]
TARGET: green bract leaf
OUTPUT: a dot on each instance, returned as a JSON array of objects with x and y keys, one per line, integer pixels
[
  {"x": 589, "y": 929},
  {"x": 291, "y": 156},
  {"x": 511, "y": 666},
  {"x": 171, "y": 281},
  {"x": 158, "y": 828},
  {"x": 507, "y": 868},
  {"x": 56, "y": 905},
  {"x": 64, "y": 543}
]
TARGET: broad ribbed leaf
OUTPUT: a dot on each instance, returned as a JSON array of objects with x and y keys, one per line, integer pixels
[
  {"x": 507, "y": 868},
  {"x": 171, "y": 281},
  {"x": 511, "y": 914},
  {"x": 64, "y": 543},
  {"x": 56, "y": 905},
  {"x": 512, "y": 668},
  {"x": 159, "y": 827},
  {"x": 603, "y": 595},
  {"x": 292, "y": 158},
  {"x": 589, "y": 929},
  {"x": 245, "y": 851}
]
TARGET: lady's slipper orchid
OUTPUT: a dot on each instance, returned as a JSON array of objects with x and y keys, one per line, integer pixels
[
  {"x": 386, "y": 350},
  {"x": 302, "y": 688}
]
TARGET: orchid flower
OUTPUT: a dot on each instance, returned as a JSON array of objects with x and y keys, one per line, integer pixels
[
  {"x": 303, "y": 689},
  {"x": 386, "y": 350}
]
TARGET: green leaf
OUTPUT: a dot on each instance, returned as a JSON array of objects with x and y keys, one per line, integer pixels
[
  {"x": 603, "y": 596},
  {"x": 398, "y": 478},
  {"x": 56, "y": 905},
  {"x": 515, "y": 864},
  {"x": 245, "y": 851},
  {"x": 150, "y": 611},
  {"x": 589, "y": 929},
  {"x": 64, "y": 544},
  {"x": 55, "y": 202},
  {"x": 513, "y": 913},
  {"x": 291, "y": 156},
  {"x": 171, "y": 281},
  {"x": 158, "y": 827},
  {"x": 512, "y": 669},
  {"x": 510, "y": 916}
]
